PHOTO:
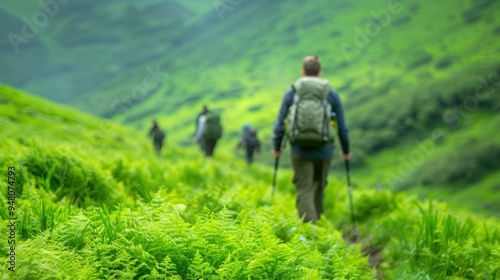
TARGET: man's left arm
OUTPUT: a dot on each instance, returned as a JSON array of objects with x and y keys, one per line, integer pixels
[
  {"x": 201, "y": 126},
  {"x": 279, "y": 126}
]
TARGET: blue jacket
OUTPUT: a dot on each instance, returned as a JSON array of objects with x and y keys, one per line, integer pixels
[{"x": 322, "y": 153}]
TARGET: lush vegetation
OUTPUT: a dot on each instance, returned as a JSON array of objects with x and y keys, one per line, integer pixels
[
  {"x": 420, "y": 86},
  {"x": 399, "y": 82},
  {"x": 114, "y": 209}
]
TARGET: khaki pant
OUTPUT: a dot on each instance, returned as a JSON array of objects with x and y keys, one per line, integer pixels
[
  {"x": 209, "y": 146},
  {"x": 310, "y": 181}
]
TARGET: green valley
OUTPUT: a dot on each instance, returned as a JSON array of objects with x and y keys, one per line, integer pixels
[
  {"x": 82, "y": 81},
  {"x": 110, "y": 207}
]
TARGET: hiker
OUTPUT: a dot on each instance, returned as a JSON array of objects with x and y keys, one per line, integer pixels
[
  {"x": 158, "y": 136},
  {"x": 250, "y": 142},
  {"x": 202, "y": 113},
  {"x": 209, "y": 132},
  {"x": 309, "y": 131}
]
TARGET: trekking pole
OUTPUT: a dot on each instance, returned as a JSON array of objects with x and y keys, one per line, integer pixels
[
  {"x": 276, "y": 165},
  {"x": 348, "y": 172}
]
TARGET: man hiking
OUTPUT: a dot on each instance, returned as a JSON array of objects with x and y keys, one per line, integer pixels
[
  {"x": 250, "y": 142},
  {"x": 209, "y": 131},
  {"x": 158, "y": 136},
  {"x": 308, "y": 107}
]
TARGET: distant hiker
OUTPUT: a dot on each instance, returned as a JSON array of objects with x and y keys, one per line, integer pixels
[
  {"x": 250, "y": 142},
  {"x": 308, "y": 107},
  {"x": 197, "y": 123},
  {"x": 209, "y": 131},
  {"x": 158, "y": 136}
]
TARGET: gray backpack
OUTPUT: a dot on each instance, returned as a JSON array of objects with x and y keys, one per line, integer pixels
[{"x": 308, "y": 122}]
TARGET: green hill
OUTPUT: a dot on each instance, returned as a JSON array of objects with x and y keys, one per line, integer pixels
[
  {"x": 419, "y": 80},
  {"x": 97, "y": 203}
]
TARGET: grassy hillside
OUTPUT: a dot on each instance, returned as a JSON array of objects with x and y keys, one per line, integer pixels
[
  {"x": 419, "y": 80},
  {"x": 113, "y": 209},
  {"x": 83, "y": 44},
  {"x": 397, "y": 89}
]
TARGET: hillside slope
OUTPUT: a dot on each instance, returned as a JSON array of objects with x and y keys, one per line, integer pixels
[
  {"x": 113, "y": 209},
  {"x": 397, "y": 89},
  {"x": 66, "y": 50},
  {"x": 402, "y": 74}
]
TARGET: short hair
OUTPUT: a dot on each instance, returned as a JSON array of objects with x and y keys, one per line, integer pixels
[{"x": 311, "y": 65}]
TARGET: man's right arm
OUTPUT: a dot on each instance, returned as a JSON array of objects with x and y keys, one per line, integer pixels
[
  {"x": 342, "y": 128},
  {"x": 279, "y": 126}
]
